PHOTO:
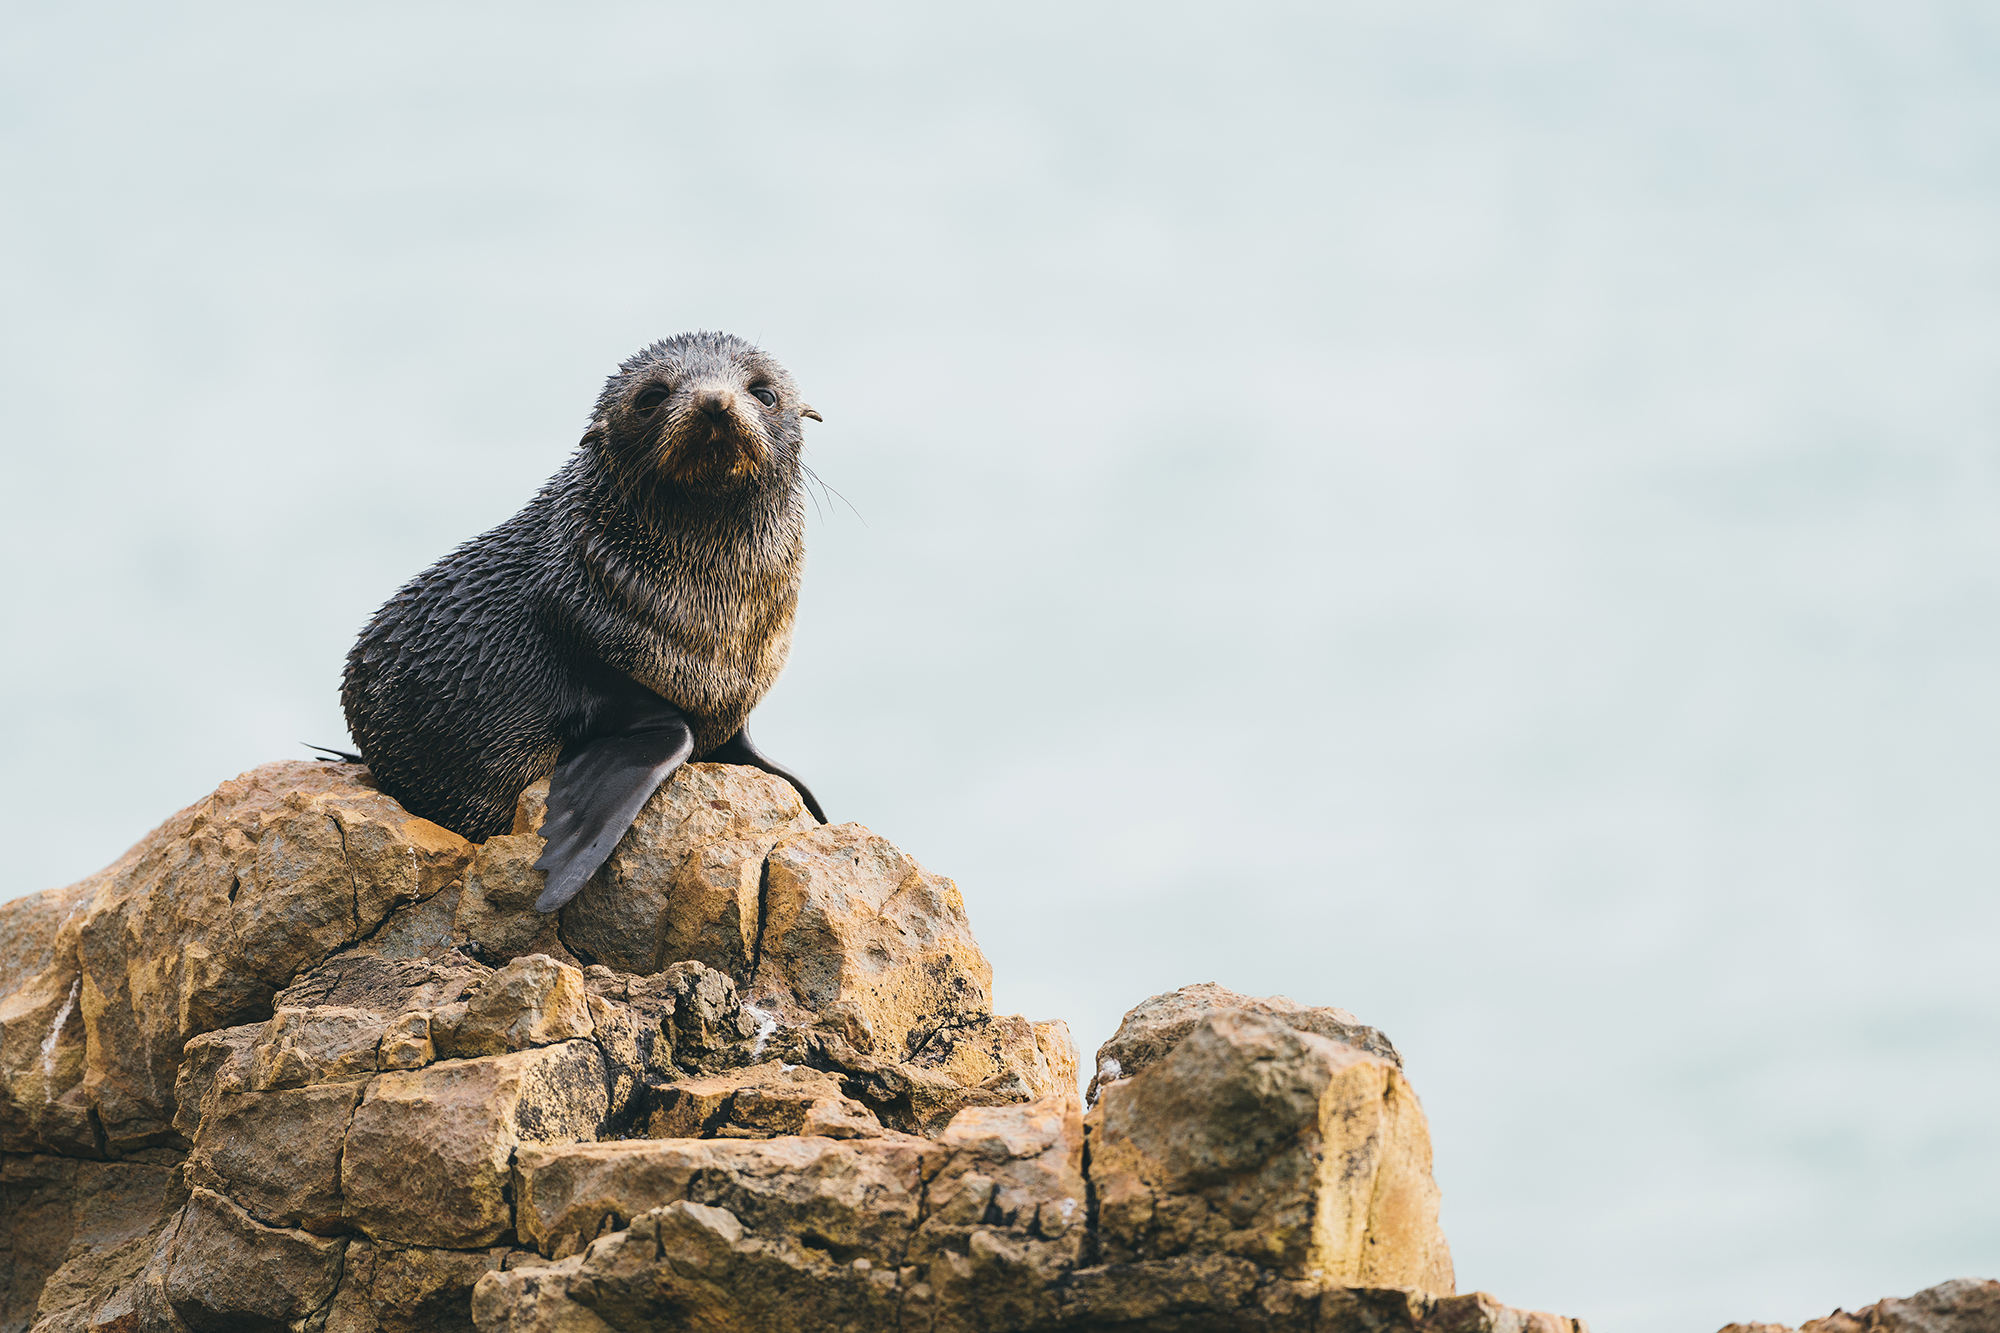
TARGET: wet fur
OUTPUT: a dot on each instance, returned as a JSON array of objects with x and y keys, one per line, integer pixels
[{"x": 666, "y": 552}]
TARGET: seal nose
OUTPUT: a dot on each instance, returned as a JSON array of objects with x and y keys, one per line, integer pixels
[{"x": 714, "y": 402}]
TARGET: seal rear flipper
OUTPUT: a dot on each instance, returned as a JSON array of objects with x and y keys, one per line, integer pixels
[
  {"x": 738, "y": 750},
  {"x": 328, "y": 755},
  {"x": 599, "y": 786}
]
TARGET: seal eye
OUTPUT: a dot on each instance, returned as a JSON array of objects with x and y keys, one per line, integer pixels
[
  {"x": 764, "y": 396},
  {"x": 649, "y": 401}
]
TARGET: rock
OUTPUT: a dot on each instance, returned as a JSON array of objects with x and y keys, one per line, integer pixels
[
  {"x": 809, "y": 1233},
  {"x": 220, "y": 907},
  {"x": 851, "y": 1195},
  {"x": 363, "y": 979},
  {"x": 533, "y": 1300},
  {"x": 1964, "y": 1305},
  {"x": 276, "y": 1154},
  {"x": 778, "y": 1234},
  {"x": 212, "y": 1064},
  {"x": 407, "y": 1290},
  {"x": 76, "y": 1236},
  {"x": 324, "y": 1044},
  {"x": 1156, "y": 1026},
  {"x": 711, "y": 1028},
  {"x": 850, "y": 920},
  {"x": 426, "y": 1160},
  {"x": 683, "y": 884},
  {"x": 44, "y": 1106},
  {"x": 406, "y": 1042},
  {"x": 1307, "y": 1156},
  {"x": 532, "y": 1001},
  {"x": 760, "y": 1102},
  {"x": 227, "y": 1274},
  {"x": 496, "y": 917},
  {"x": 1960, "y": 1306}
]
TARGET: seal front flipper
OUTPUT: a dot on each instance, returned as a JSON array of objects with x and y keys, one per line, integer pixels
[
  {"x": 599, "y": 786},
  {"x": 738, "y": 750}
]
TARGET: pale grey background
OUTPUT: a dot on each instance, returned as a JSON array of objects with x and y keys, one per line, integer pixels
[{"x": 1479, "y": 513}]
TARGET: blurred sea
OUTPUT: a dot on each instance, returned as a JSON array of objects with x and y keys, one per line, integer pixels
[{"x": 1480, "y": 514}]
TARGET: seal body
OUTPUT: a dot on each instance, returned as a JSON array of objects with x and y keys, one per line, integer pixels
[{"x": 641, "y": 604}]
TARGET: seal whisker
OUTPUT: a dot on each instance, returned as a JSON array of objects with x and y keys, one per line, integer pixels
[{"x": 819, "y": 481}]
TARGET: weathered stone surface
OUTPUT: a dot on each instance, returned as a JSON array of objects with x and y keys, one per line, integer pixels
[
  {"x": 207, "y": 918},
  {"x": 496, "y": 917},
  {"x": 858, "y": 1195},
  {"x": 75, "y": 1237},
  {"x": 683, "y": 884},
  {"x": 1157, "y": 1025},
  {"x": 712, "y": 1029},
  {"x": 759, "y": 1102},
  {"x": 212, "y": 1064},
  {"x": 851, "y": 920},
  {"x": 406, "y": 1042},
  {"x": 276, "y": 1154},
  {"x": 1308, "y": 1156},
  {"x": 1964, "y": 1305},
  {"x": 1003, "y": 1053},
  {"x": 410, "y": 1290},
  {"x": 427, "y": 1153},
  {"x": 361, "y": 978},
  {"x": 44, "y": 1106},
  {"x": 31, "y": 928},
  {"x": 531, "y": 1001},
  {"x": 226, "y": 1274},
  {"x": 773, "y": 1235},
  {"x": 324, "y": 1044},
  {"x": 534, "y": 1300},
  {"x": 1057, "y": 1051}
]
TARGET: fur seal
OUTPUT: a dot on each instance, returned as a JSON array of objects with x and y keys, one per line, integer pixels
[{"x": 623, "y": 623}]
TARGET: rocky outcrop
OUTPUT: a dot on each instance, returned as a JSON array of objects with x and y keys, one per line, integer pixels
[
  {"x": 1967, "y": 1305},
  {"x": 302, "y": 1061}
]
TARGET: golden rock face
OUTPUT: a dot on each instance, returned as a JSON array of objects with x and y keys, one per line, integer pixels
[{"x": 1303, "y": 1154}]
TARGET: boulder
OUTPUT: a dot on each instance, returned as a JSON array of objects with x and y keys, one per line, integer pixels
[
  {"x": 852, "y": 921},
  {"x": 427, "y": 1155},
  {"x": 276, "y": 1154},
  {"x": 201, "y": 924},
  {"x": 76, "y": 1237},
  {"x": 1308, "y": 1156},
  {"x": 407, "y": 1289},
  {"x": 1155, "y": 1026},
  {"x": 532, "y": 1001}
]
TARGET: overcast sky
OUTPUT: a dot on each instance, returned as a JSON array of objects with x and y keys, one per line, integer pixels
[{"x": 1483, "y": 514}]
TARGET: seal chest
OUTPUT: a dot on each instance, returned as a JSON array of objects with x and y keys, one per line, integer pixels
[{"x": 627, "y": 620}]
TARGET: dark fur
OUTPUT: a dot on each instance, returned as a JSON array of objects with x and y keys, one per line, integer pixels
[{"x": 645, "y": 559}]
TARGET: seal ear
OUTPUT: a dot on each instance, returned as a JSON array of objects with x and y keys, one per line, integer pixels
[{"x": 808, "y": 412}]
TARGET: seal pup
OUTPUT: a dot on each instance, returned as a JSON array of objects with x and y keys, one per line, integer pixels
[{"x": 623, "y": 623}]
